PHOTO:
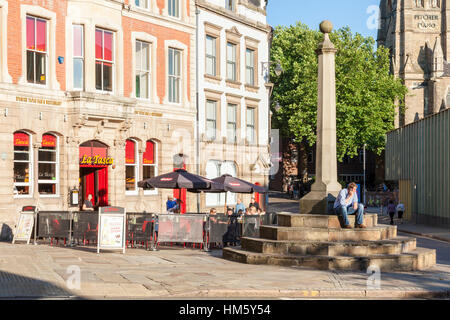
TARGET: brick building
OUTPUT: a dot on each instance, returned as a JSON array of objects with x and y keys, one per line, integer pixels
[{"x": 94, "y": 95}]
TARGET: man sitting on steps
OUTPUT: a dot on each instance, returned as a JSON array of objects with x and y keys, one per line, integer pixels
[{"x": 345, "y": 199}]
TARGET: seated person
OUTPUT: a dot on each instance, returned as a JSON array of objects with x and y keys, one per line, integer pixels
[
  {"x": 253, "y": 203},
  {"x": 345, "y": 199},
  {"x": 87, "y": 205},
  {"x": 170, "y": 203}
]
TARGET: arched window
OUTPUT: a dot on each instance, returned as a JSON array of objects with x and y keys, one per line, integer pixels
[
  {"x": 23, "y": 169},
  {"x": 212, "y": 171},
  {"x": 48, "y": 165},
  {"x": 228, "y": 167},
  {"x": 150, "y": 164},
  {"x": 131, "y": 167},
  {"x": 215, "y": 169}
]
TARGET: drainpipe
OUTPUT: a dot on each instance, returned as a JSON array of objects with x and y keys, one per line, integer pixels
[{"x": 197, "y": 140}]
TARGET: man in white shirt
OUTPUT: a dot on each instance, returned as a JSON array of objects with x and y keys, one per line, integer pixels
[{"x": 349, "y": 198}]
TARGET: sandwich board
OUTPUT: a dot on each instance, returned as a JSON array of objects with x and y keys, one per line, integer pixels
[
  {"x": 111, "y": 229},
  {"x": 26, "y": 225}
]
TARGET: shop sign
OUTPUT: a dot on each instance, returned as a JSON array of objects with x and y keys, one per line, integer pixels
[
  {"x": 96, "y": 160},
  {"x": 21, "y": 140},
  {"x": 38, "y": 100}
]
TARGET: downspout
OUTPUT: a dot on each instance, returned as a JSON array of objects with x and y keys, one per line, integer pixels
[{"x": 197, "y": 140}]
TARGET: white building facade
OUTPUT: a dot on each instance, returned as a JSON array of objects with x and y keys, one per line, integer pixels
[{"x": 233, "y": 93}]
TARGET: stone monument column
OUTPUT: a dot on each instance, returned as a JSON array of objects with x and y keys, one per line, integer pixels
[{"x": 326, "y": 187}]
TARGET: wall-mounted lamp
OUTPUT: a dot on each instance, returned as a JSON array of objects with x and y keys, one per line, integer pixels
[
  {"x": 168, "y": 127},
  {"x": 145, "y": 125},
  {"x": 6, "y": 112},
  {"x": 278, "y": 68},
  {"x": 40, "y": 115},
  {"x": 65, "y": 118}
]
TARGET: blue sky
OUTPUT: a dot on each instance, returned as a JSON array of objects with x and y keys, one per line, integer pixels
[{"x": 352, "y": 13}]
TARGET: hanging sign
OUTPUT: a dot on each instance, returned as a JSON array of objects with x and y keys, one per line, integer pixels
[{"x": 111, "y": 228}]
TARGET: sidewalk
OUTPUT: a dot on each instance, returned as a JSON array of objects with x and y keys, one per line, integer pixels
[
  {"x": 418, "y": 229},
  {"x": 42, "y": 271},
  {"x": 280, "y": 202}
]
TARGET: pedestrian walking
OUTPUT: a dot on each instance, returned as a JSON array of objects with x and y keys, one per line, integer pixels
[
  {"x": 391, "y": 210},
  {"x": 400, "y": 210}
]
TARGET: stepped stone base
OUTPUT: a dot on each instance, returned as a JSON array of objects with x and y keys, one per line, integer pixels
[{"x": 318, "y": 241}]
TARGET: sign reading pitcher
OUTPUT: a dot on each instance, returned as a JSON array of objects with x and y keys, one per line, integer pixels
[{"x": 111, "y": 231}]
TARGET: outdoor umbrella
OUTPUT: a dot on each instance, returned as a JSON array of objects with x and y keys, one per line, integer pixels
[
  {"x": 181, "y": 179},
  {"x": 236, "y": 185}
]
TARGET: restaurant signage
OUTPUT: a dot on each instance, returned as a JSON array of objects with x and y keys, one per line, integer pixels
[
  {"x": 96, "y": 160},
  {"x": 25, "y": 226}
]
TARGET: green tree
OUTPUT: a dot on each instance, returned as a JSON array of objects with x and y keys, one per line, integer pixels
[{"x": 366, "y": 92}]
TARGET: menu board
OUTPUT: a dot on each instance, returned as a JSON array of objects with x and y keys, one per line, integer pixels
[
  {"x": 24, "y": 227},
  {"x": 111, "y": 233}
]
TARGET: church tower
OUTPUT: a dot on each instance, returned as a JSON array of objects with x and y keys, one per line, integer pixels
[{"x": 417, "y": 34}]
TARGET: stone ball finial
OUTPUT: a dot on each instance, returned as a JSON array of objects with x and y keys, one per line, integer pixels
[{"x": 326, "y": 26}]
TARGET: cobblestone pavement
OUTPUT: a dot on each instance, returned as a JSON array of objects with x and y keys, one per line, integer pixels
[{"x": 42, "y": 271}]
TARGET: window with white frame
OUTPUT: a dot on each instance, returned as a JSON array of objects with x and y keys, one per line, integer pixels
[
  {"x": 214, "y": 169},
  {"x": 104, "y": 59},
  {"x": 174, "y": 75},
  {"x": 48, "y": 165},
  {"x": 142, "y": 69},
  {"x": 23, "y": 159},
  {"x": 231, "y": 122},
  {"x": 211, "y": 120},
  {"x": 250, "y": 66},
  {"x": 229, "y": 5},
  {"x": 37, "y": 50},
  {"x": 141, "y": 3},
  {"x": 251, "y": 125},
  {"x": 78, "y": 56},
  {"x": 174, "y": 8},
  {"x": 131, "y": 167},
  {"x": 150, "y": 164},
  {"x": 211, "y": 55},
  {"x": 231, "y": 61}
]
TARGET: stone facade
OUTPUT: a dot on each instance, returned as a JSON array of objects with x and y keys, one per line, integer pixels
[
  {"x": 233, "y": 102},
  {"x": 417, "y": 34},
  {"x": 75, "y": 116}
]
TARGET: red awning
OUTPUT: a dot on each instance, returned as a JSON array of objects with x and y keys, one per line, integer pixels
[
  {"x": 149, "y": 153},
  {"x": 48, "y": 141},
  {"x": 129, "y": 152},
  {"x": 21, "y": 139}
]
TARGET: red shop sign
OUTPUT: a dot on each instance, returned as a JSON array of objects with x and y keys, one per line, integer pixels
[{"x": 21, "y": 139}]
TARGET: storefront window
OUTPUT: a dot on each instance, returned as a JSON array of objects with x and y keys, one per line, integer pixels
[
  {"x": 131, "y": 167},
  {"x": 149, "y": 165},
  {"x": 22, "y": 164},
  {"x": 48, "y": 165},
  {"x": 215, "y": 169}
]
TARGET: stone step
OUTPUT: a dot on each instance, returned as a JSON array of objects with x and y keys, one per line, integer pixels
[
  {"x": 380, "y": 232},
  {"x": 397, "y": 245},
  {"x": 321, "y": 221},
  {"x": 418, "y": 259}
]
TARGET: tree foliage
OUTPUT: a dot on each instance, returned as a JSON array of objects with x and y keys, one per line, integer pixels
[{"x": 365, "y": 90}]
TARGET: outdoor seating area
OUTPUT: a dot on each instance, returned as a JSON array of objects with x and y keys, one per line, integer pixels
[{"x": 151, "y": 230}]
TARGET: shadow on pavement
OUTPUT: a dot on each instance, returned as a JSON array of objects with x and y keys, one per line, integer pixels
[{"x": 14, "y": 286}]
